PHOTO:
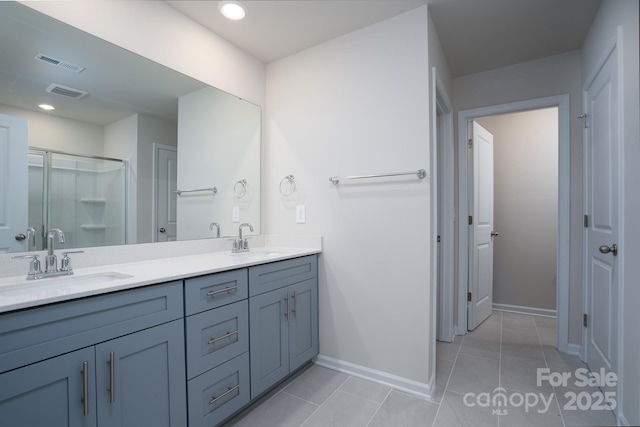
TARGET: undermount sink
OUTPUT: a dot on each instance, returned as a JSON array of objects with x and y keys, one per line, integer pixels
[
  {"x": 258, "y": 254},
  {"x": 61, "y": 284}
]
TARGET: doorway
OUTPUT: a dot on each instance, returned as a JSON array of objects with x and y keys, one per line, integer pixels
[
  {"x": 562, "y": 236},
  {"x": 525, "y": 210}
]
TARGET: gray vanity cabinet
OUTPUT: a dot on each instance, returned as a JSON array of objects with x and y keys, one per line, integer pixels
[
  {"x": 217, "y": 338},
  {"x": 283, "y": 321},
  {"x": 168, "y": 355},
  {"x": 49, "y": 393},
  {"x": 111, "y": 360}
]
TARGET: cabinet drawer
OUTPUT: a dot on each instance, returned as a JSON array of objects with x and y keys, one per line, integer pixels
[
  {"x": 215, "y": 290},
  {"x": 219, "y": 393},
  {"x": 215, "y": 336},
  {"x": 267, "y": 277},
  {"x": 36, "y": 334}
]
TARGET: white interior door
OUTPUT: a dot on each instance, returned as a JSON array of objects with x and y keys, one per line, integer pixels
[
  {"x": 480, "y": 301},
  {"x": 602, "y": 207},
  {"x": 166, "y": 169},
  {"x": 13, "y": 183}
]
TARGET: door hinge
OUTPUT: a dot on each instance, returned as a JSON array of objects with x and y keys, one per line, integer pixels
[
  {"x": 585, "y": 320},
  {"x": 469, "y": 296},
  {"x": 470, "y": 220},
  {"x": 586, "y": 221},
  {"x": 438, "y": 239},
  {"x": 471, "y": 143},
  {"x": 584, "y": 116}
]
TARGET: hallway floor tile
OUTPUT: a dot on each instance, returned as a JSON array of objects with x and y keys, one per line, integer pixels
[{"x": 496, "y": 363}]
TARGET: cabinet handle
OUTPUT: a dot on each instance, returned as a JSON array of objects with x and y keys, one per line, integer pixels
[
  {"x": 112, "y": 377},
  {"x": 226, "y": 393},
  {"x": 295, "y": 304},
  {"x": 286, "y": 313},
  {"x": 227, "y": 289},
  {"x": 227, "y": 335},
  {"x": 85, "y": 388}
]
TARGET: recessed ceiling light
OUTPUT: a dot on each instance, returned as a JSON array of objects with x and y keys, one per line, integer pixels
[
  {"x": 46, "y": 107},
  {"x": 233, "y": 10}
]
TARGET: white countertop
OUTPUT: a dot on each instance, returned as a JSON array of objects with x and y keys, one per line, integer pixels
[{"x": 17, "y": 292}]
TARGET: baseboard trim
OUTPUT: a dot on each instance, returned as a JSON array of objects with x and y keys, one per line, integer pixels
[
  {"x": 622, "y": 420},
  {"x": 421, "y": 390},
  {"x": 574, "y": 349},
  {"x": 525, "y": 310}
]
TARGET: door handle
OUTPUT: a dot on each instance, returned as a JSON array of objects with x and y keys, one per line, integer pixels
[
  {"x": 162, "y": 229},
  {"x": 112, "y": 377},
  {"x": 494, "y": 234},
  {"x": 85, "y": 388},
  {"x": 288, "y": 301},
  {"x": 606, "y": 249}
]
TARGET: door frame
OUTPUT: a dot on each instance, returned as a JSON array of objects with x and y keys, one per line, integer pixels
[
  {"x": 443, "y": 212},
  {"x": 564, "y": 193},
  {"x": 154, "y": 189}
]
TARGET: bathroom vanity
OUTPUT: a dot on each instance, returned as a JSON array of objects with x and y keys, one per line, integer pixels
[{"x": 172, "y": 342}]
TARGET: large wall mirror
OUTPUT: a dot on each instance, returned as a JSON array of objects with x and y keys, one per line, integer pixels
[{"x": 133, "y": 152}]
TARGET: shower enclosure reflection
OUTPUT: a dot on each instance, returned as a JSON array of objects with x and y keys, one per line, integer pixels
[{"x": 84, "y": 196}]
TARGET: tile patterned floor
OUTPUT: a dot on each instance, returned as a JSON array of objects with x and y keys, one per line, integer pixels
[{"x": 505, "y": 351}]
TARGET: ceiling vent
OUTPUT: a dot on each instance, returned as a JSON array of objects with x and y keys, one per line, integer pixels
[
  {"x": 58, "y": 63},
  {"x": 66, "y": 91}
]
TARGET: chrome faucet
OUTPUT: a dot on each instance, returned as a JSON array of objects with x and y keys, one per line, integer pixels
[
  {"x": 215, "y": 224},
  {"x": 240, "y": 244},
  {"x": 51, "y": 261}
]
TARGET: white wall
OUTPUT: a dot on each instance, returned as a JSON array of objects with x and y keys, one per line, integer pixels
[
  {"x": 359, "y": 104},
  {"x": 622, "y": 16},
  {"x": 525, "y": 151},
  {"x": 555, "y": 75},
  {"x": 219, "y": 144},
  {"x": 58, "y": 133},
  {"x": 121, "y": 142},
  {"x": 438, "y": 59}
]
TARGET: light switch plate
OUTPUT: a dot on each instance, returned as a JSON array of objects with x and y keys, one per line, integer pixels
[
  {"x": 236, "y": 214},
  {"x": 301, "y": 215}
]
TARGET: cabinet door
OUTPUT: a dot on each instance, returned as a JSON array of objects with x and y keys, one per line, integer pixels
[
  {"x": 303, "y": 323},
  {"x": 50, "y": 393},
  {"x": 269, "y": 339},
  {"x": 144, "y": 382}
]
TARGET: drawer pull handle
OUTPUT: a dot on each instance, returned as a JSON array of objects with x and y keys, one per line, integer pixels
[
  {"x": 85, "y": 388},
  {"x": 225, "y": 394},
  {"x": 112, "y": 377},
  {"x": 288, "y": 300},
  {"x": 295, "y": 305},
  {"x": 227, "y": 289},
  {"x": 227, "y": 335}
]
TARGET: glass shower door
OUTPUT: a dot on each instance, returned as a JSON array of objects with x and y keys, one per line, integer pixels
[
  {"x": 83, "y": 196},
  {"x": 87, "y": 200}
]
